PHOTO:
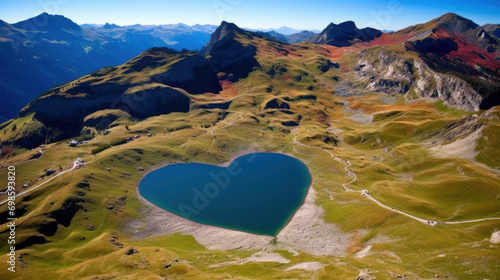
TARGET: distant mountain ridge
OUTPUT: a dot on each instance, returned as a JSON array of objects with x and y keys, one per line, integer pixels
[
  {"x": 48, "y": 50},
  {"x": 60, "y": 50},
  {"x": 176, "y": 36},
  {"x": 344, "y": 34},
  {"x": 285, "y": 30},
  {"x": 420, "y": 61},
  {"x": 290, "y": 39}
]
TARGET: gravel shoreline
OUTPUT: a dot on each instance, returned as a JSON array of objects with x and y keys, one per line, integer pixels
[{"x": 306, "y": 231}]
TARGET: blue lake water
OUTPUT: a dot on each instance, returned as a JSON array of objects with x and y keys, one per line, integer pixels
[{"x": 256, "y": 193}]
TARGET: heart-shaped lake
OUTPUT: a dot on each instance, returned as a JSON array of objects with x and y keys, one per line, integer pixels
[{"x": 256, "y": 193}]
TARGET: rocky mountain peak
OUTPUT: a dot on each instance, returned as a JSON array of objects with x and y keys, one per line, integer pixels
[
  {"x": 348, "y": 25},
  {"x": 225, "y": 30},
  {"x": 465, "y": 27},
  {"x": 344, "y": 34}
]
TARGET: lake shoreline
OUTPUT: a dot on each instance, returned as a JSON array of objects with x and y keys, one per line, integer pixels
[{"x": 296, "y": 234}]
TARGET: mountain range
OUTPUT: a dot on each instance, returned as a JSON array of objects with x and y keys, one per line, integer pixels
[
  {"x": 176, "y": 36},
  {"x": 291, "y": 39},
  {"x": 399, "y": 132},
  {"x": 344, "y": 34},
  {"x": 425, "y": 60},
  {"x": 28, "y": 50},
  {"x": 47, "y": 50},
  {"x": 284, "y": 30}
]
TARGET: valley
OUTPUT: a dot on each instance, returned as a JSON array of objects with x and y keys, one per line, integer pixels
[{"x": 403, "y": 158}]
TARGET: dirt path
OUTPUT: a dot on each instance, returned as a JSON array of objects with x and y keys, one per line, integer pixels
[
  {"x": 211, "y": 131},
  {"x": 75, "y": 164},
  {"x": 366, "y": 194}
]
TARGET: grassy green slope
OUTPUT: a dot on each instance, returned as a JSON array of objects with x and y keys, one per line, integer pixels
[{"x": 390, "y": 157}]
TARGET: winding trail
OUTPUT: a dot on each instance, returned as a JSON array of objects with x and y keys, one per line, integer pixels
[
  {"x": 471, "y": 221},
  {"x": 366, "y": 194},
  {"x": 228, "y": 124},
  {"x": 347, "y": 163},
  {"x": 75, "y": 165}
]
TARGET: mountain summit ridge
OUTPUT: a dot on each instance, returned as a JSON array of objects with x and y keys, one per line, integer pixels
[
  {"x": 344, "y": 34},
  {"x": 49, "y": 23}
]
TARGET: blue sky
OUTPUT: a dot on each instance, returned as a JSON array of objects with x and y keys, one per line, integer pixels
[{"x": 310, "y": 14}]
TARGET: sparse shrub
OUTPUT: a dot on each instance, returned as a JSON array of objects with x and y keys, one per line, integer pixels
[
  {"x": 274, "y": 241},
  {"x": 119, "y": 142},
  {"x": 84, "y": 137},
  {"x": 7, "y": 150},
  {"x": 185, "y": 126},
  {"x": 100, "y": 149}
]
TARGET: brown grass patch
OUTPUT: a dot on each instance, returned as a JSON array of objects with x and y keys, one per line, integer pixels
[{"x": 354, "y": 245}]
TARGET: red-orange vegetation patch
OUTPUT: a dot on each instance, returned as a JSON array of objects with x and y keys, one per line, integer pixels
[
  {"x": 285, "y": 77},
  {"x": 354, "y": 245},
  {"x": 222, "y": 76},
  {"x": 466, "y": 54},
  {"x": 276, "y": 50},
  {"x": 388, "y": 39},
  {"x": 228, "y": 89},
  {"x": 359, "y": 105},
  {"x": 469, "y": 54},
  {"x": 7, "y": 150},
  {"x": 336, "y": 52}
]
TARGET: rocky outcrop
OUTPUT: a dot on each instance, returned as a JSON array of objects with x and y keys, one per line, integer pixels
[
  {"x": 391, "y": 74},
  {"x": 225, "y": 30},
  {"x": 364, "y": 275},
  {"x": 227, "y": 54},
  {"x": 458, "y": 128},
  {"x": 68, "y": 112},
  {"x": 344, "y": 34}
]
